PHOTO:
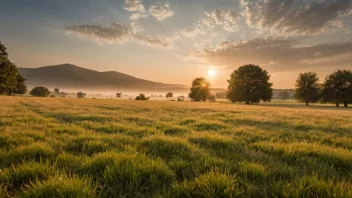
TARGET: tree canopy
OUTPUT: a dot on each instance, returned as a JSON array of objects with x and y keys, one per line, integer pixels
[
  {"x": 337, "y": 88},
  {"x": 81, "y": 95},
  {"x": 250, "y": 84},
  {"x": 142, "y": 97},
  {"x": 169, "y": 95},
  {"x": 40, "y": 92},
  {"x": 119, "y": 95},
  {"x": 200, "y": 90},
  {"x": 11, "y": 81},
  {"x": 307, "y": 87}
]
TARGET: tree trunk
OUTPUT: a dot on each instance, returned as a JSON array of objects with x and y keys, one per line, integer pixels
[
  {"x": 346, "y": 104},
  {"x": 247, "y": 102},
  {"x": 337, "y": 104},
  {"x": 307, "y": 104}
]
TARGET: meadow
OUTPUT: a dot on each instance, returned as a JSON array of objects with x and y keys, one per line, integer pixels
[{"x": 63, "y": 147}]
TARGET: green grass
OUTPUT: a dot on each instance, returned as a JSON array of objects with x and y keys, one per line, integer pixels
[{"x": 61, "y": 147}]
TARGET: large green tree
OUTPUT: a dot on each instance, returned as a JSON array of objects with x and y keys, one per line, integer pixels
[
  {"x": 250, "y": 84},
  {"x": 11, "y": 82},
  {"x": 307, "y": 88},
  {"x": 200, "y": 90},
  {"x": 337, "y": 88}
]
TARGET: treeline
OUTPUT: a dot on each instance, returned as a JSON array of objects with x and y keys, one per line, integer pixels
[{"x": 250, "y": 84}]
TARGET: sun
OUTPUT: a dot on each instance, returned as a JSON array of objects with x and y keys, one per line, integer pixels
[{"x": 211, "y": 72}]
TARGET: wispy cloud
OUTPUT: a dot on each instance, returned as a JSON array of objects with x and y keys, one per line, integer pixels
[
  {"x": 226, "y": 19},
  {"x": 137, "y": 8},
  {"x": 280, "y": 54},
  {"x": 294, "y": 17},
  {"x": 161, "y": 11},
  {"x": 119, "y": 33}
]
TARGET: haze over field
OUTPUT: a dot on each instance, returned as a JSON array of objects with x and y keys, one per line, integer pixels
[{"x": 175, "y": 41}]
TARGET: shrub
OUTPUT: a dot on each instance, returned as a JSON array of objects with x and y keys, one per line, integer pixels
[
  {"x": 40, "y": 92},
  {"x": 142, "y": 97},
  {"x": 81, "y": 95}
]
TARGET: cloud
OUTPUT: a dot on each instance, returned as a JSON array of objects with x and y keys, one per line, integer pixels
[
  {"x": 226, "y": 19},
  {"x": 137, "y": 8},
  {"x": 119, "y": 33},
  {"x": 278, "y": 54},
  {"x": 161, "y": 11},
  {"x": 294, "y": 17}
]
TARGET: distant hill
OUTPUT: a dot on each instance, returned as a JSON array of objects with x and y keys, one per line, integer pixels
[{"x": 74, "y": 78}]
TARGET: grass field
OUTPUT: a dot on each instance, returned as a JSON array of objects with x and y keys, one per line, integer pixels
[{"x": 115, "y": 148}]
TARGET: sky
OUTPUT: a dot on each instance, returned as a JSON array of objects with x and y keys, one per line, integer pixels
[{"x": 175, "y": 41}]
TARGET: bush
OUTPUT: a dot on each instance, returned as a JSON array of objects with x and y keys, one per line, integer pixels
[
  {"x": 40, "y": 92},
  {"x": 81, "y": 95},
  {"x": 142, "y": 97}
]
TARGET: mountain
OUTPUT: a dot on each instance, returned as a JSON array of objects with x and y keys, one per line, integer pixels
[{"x": 73, "y": 78}]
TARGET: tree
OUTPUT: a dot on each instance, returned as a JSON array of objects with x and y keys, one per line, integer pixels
[
  {"x": 11, "y": 82},
  {"x": 307, "y": 88},
  {"x": 81, "y": 95},
  {"x": 337, "y": 88},
  {"x": 200, "y": 90},
  {"x": 212, "y": 98},
  {"x": 169, "y": 95},
  {"x": 21, "y": 88},
  {"x": 250, "y": 84},
  {"x": 119, "y": 95},
  {"x": 40, "y": 92},
  {"x": 57, "y": 91},
  {"x": 284, "y": 95},
  {"x": 142, "y": 97}
]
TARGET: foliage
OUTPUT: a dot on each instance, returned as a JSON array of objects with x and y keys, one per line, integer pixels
[
  {"x": 142, "y": 97},
  {"x": 212, "y": 98},
  {"x": 307, "y": 87},
  {"x": 40, "y": 92},
  {"x": 11, "y": 82},
  {"x": 119, "y": 95},
  {"x": 249, "y": 84},
  {"x": 81, "y": 95},
  {"x": 169, "y": 95},
  {"x": 57, "y": 91},
  {"x": 200, "y": 90},
  {"x": 337, "y": 88},
  {"x": 284, "y": 95}
]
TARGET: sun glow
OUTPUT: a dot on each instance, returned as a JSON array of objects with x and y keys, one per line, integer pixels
[{"x": 211, "y": 72}]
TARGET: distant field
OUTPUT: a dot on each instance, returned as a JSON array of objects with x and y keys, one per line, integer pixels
[{"x": 119, "y": 148}]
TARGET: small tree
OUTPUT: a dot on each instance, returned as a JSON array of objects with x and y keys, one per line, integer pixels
[
  {"x": 200, "y": 90},
  {"x": 212, "y": 98},
  {"x": 81, "y": 95},
  {"x": 284, "y": 95},
  {"x": 119, "y": 95},
  {"x": 142, "y": 97},
  {"x": 337, "y": 88},
  {"x": 250, "y": 84},
  {"x": 307, "y": 88},
  {"x": 40, "y": 92},
  {"x": 169, "y": 95},
  {"x": 57, "y": 91}
]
